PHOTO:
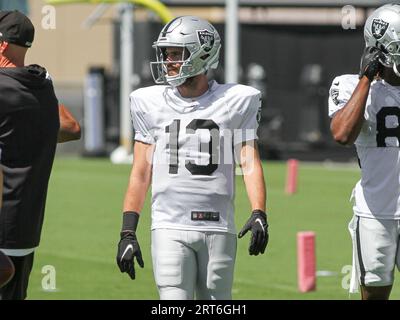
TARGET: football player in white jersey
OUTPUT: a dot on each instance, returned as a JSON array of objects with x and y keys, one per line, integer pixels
[
  {"x": 185, "y": 133},
  {"x": 365, "y": 110}
]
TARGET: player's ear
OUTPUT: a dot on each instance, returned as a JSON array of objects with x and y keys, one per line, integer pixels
[{"x": 3, "y": 46}]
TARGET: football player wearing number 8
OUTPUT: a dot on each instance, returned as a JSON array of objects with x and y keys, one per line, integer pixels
[
  {"x": 365, "y": 110},
  {"x": 188, "y": 127}
]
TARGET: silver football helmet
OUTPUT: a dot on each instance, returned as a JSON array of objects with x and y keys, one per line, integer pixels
[
  {"x": 382, "y": 30},
  {"x": 201, "y": 45}
]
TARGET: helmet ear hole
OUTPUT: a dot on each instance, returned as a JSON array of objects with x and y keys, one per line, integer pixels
[{"x": 204, "y": 57}]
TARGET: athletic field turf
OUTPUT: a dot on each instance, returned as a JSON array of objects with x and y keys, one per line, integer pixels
[{"x": 83, "y": 219}]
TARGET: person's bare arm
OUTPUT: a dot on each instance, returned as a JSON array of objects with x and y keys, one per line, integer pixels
[
  {"x": 347, "y": 122},
  {"x": 255, "y": 185},
  {"x": 139, "y": 182},
  {"x": 253, "y": 175},
  {"x": 69, "y": 127},
  {"x": 140, "y": 177}
]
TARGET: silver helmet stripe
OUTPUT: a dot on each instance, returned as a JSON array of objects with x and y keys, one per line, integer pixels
[{"x": 165, "y": 29}]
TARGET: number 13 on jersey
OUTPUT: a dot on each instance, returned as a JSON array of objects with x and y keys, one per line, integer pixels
[{"x": 211, "y": 148}]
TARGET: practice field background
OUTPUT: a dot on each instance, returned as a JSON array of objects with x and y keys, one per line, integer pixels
[{"x": 83, "y": 219}]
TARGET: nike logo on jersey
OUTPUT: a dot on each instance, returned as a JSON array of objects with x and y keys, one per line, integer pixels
[
  {"x": 129, "y": 247},
  {"x": 336, "y": 83},
  {"x": 261, "y": 224}
]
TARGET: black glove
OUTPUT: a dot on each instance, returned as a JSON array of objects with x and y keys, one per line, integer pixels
[
  {"x": 128, "y": 246},
  {"x": 258, "y": 225},
  {"x": 370, "y": 65}
]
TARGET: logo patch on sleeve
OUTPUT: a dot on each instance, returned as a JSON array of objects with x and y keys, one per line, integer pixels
[{"x": 335, "y": 95}]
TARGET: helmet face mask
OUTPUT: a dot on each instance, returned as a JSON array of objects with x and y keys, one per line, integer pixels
[
  {"x": 201, "y": 46},
  {"x": 382, "y": 30},
  {"x": 160, "y": 68}
]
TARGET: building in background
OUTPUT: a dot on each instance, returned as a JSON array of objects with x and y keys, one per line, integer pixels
[
  {"x": 21, "y": 5},
  {"x": 291, "y": 49}
]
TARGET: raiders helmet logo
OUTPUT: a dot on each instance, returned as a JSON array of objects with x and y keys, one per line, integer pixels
[
  {"x": 379, "y": 28},
  {"x": 206, "y": 39}
]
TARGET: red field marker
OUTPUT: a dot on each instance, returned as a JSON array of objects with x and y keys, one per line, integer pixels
[
  {"x": 291, "y": 177},
  {"x": 306, "y": 265}
]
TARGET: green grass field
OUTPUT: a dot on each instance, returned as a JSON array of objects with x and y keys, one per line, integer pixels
[{"x": 83, "y": 219}]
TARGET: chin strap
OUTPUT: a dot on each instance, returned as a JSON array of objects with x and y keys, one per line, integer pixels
[
  {"x": 176, "y": 82},
  {"x": 395, "y": 70}
]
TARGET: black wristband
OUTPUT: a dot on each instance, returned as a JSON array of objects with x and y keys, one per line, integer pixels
[
  {"x": 259, "y": 211},
  {"x": 262, "y": 214},
  {"x": 130, "y": 221}
]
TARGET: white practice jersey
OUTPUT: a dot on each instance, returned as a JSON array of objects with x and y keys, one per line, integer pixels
[
  {"x": 193, "y": 182},
  {"x": 377, "y": 194}
]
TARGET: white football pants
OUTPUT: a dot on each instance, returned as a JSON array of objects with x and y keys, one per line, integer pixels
[
  {"x": 188, "y": 262},
  {"x": 376, "y": 250}
]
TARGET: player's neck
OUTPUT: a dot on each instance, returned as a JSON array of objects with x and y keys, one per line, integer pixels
[
  {"x": 390, "y": 77},
  {"x": 7, "y": 63},
  {"x": 194, "y": 87}
]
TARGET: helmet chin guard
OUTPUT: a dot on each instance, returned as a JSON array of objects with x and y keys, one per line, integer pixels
[{"x": 201, "y": 45}]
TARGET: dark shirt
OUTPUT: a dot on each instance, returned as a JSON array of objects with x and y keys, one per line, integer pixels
[{"x": 29, "y": 124}]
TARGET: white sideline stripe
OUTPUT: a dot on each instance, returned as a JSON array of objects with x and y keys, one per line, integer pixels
[
  {"x": 352, "y": 166},
  {"x": 326, "y": 273},
  {"x": 282, "y": 287},
  {"x": 327, "y": 164}
]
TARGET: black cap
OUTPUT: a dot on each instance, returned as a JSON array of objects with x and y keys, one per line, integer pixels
[{"x": 16, "y": 28}]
